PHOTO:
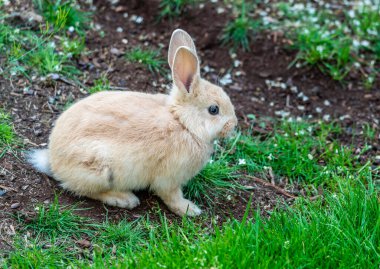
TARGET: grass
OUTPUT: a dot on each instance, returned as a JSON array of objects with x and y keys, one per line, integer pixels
[
  {"x": 28, "y": 52},
  {"x": 174, "y": 8},
  {"x": 340, "y": 230},
  {"x": 101, "y": 84},
  {"x": 7, "y": 135},
  {"x": 239, "y": 31},
  {"x": 55, "y": 221},
  {"x": 47, "y": 61},
  {"x": 338, "y": 43},
  {"x": 63, "y": 15},
  {"x": 148, "y": 58}
]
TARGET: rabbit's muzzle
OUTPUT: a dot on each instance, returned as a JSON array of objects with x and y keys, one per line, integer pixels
[{"x": 228, "y": 128}]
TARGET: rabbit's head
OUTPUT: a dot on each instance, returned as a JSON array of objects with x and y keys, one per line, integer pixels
[{"x": 202, "y": 107}]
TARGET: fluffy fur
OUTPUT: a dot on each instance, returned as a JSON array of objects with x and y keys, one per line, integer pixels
[{"x": 112, "y": 143}]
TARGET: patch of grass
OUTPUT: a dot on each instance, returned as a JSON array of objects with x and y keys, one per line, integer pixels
[
  {"x": 299, "y": 151},
  {"x": 28, "y": 53},
  {"x": 63, "y": 15},
  {"x": 32, "y": 253},
  {"x": 369, "y": 131},
  {"x": 101, "y": 84},
  {"x": 54, "y": 221},
  {"x": 121, "y": 237},
  {"x": 239, "y": 32},
  {"x": 7, "y": 135},
  {"x": 338, "y": 43},
  {"x": 150, "y": 59},
  {"x": 174, "y": 8},
  {"x": 46, "y": 60},
  {"x": 73, "y": 47},
  {"x": 215, "y": 180}
]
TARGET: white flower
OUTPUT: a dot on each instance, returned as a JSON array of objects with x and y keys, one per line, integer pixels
[
  {"x": 365, "y": 43},
  {"x": 310, "y": 156},
  {"x": 351, "y": 13},
  {"x": 242, "y": 162},
  {"x": 320, "y": 48},
  {"x": 355, "y": 43},
  {"x": 52, "y": 44},
  {"x": 270, "y": 157},
  {"x": 211, "y": 161},
  {"x": 71, "y": 29}
]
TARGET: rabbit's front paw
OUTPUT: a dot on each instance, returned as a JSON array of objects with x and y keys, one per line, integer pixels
[
  {"x": 119, "y": 199},
  {"x": 186, "y": 207}
]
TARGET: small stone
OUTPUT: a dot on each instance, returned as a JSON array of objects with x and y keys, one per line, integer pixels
[
  {"x": 220, "y": 10},
  {"x": 264, "y": 74},
  {"x": 116, "y": 51},
  {"x": 51, "y": 100},
  {"x": 54, "y": 76},
  {"x": 124, "y": 41},
  {"x": 236, "y": 87},
  {"x": 301, "y": 108},
  {"x": 15, "y": 205},
  {"x": 326, "y": 117},
  {"x": 3, "y": 192},
  {"x": 119, "y": 30},
  {"x": 327, "y": 103},
  {"x": 24, "y": 187}
]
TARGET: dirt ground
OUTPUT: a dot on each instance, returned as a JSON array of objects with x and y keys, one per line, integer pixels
[{"x": 306, "y": 93}]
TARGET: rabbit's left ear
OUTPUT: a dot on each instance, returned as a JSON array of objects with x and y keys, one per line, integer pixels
[{"x": 180, "y": 39}]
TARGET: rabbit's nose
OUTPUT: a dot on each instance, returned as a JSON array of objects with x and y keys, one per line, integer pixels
[{"x": 228, "y": 128}]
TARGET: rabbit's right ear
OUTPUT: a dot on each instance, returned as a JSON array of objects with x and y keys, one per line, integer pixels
[
  {"x": 185, "y": 71},
  {"x": 180, "y": 39}
]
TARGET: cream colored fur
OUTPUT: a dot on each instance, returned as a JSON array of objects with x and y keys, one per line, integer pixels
[{"x": 112, "y": 143}]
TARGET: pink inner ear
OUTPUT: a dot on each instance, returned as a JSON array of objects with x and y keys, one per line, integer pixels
[{"x": 188, "y": 82}]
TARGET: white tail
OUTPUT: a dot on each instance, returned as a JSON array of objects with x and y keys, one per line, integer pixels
[{"x": 39, "y": 159}]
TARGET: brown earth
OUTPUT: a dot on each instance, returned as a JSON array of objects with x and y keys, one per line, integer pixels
[{"x": 34, "y": 111}]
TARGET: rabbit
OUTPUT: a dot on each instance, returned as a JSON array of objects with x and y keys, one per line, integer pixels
[{"x": 112, "y": 143}]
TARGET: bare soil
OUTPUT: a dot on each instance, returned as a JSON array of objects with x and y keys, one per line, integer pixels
[{"x": 34, "y": 111}]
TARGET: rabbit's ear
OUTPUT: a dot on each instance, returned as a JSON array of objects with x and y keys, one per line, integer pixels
[
  {"x": 179, "y": 39},
  {"x": 185, "y": 70}
]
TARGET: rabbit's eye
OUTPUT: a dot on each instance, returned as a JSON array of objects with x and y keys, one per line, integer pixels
[{"x": 213, "y": 110}]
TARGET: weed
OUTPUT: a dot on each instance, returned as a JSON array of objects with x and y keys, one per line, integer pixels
[
  {"x": 6, "y": 131},
  {"x": 337, "y": 43},
  {"x": 123, "y": 236},
  {"x": 72, "y": 47},
  {"x": 239, "y": 31},
  {"x": 54, "y": 221},
  {"x": 63, "y": 15},
  {"x": 174, "y": 8},
  {"x": 101, "y": 84},
  {"x": 215, "y": 180},
  {"x": 369, "y": 131},
  {"x": 151, "y": 59},
  {"x": 46, "y": 60}
]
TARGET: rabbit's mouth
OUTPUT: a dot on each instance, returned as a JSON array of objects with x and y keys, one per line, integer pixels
[{"x": 228, "y": 128}]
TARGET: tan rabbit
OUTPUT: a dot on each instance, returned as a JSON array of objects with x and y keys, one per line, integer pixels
[{"x": 112, "y": 143}]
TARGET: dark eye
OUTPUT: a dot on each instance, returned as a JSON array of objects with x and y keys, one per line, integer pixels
[{"x": 213, "y": 110}]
